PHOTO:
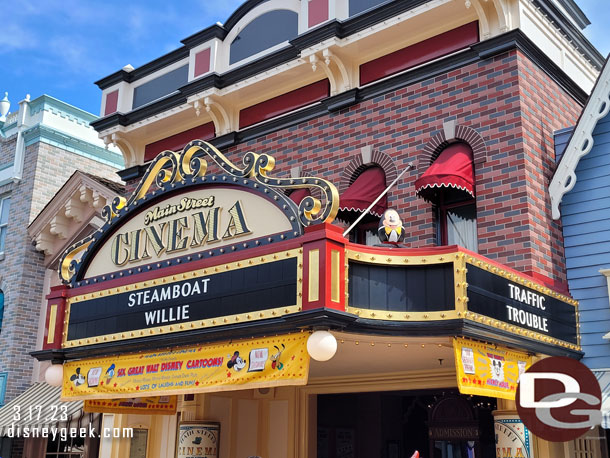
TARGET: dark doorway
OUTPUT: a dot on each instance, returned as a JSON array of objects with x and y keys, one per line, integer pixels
[{"x": 395, "y": 424}]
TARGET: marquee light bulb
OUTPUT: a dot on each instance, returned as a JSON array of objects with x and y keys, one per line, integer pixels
[
  {"x": 54, "y": 375},
  {"x": 321, "y": 345}
]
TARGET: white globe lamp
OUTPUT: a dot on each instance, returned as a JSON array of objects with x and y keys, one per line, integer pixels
[
  {"x": 321, "y": 345},
  {"x": 54, "y": 375}
]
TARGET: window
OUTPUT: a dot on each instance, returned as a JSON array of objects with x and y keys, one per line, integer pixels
[
  {"x": 1, "y": 308},
  {"x": 160, "y": 87},
  {"x": 5, "y": 205},
  {"x": 449, "y": 184},
  {"x": 3, "y": 377},
  {"x": 457, "y": 221},
  {"x": 72, "y": 447},
  {"x": 367, "y": 185},
  {"x": 264, "y": 32},
  {"x": 359, "y": 6}
]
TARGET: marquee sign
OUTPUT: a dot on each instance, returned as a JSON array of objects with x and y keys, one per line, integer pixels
[
  {"x": 255, "y": 363},
  {"x": 204, "y": 297},
  {"x": 516, "y": 304},
  {"x": 187, "y": 223},
  {"x": 455, "y": 285},
  {"x": 180, "y": 213}
]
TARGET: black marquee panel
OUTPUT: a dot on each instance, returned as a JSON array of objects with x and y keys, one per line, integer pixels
[
  {"x": 251, "y": 289},
  {"x": 401, "y": 289},
  {"x": 497, "y": 297}
]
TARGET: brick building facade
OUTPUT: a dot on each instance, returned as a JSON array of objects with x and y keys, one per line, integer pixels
[
  {"x": 344, "y": 87},
  {"x": 56, "y": 140}
]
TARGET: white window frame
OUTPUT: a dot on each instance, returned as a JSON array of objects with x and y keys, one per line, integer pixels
[{"x": 3, "y": 225}]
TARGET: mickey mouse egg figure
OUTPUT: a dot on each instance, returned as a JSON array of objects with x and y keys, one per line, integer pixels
[
  {"x": 321, "y": 345},
  {"x": 390, "y": 227}
]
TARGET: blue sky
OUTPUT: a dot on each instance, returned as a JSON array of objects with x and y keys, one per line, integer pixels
[{"x": 60, "y": 47}]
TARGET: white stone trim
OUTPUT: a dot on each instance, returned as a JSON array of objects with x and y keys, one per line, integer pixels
[
  {"x": 548, "y": 38},
  {"x": 6, "y": 175},
  {"x": 581, "y": 142}
]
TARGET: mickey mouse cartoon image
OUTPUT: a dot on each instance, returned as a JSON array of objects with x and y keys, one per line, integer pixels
[
  {"x": 275, "y": 358},
  {"x": 497, "y": 371},
  {"x": 77, "y": 378},
  {"x": 390, "y": 227},
  {"x": 236, "y": 362}
]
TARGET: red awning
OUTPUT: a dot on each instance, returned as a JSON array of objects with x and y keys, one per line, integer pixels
[
  {"x": 453, "y": 168},
  {"x": 362, "y": 192},
  {"x": 299, "y": 194}
]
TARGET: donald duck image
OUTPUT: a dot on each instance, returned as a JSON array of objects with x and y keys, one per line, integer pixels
[{"x": 390, "y": 227}]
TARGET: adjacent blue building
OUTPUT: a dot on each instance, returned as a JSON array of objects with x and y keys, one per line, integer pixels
[{"x": 580, "y": 196}]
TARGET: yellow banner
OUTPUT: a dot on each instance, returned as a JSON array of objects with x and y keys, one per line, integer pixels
[
  {"x": 487, "y": 369},
  {"x": 157, "y": 405},
  {"x": 256, "y": 363}
]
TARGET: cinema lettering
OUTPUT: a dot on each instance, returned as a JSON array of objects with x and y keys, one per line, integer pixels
[{"x": 178, "y": 234}]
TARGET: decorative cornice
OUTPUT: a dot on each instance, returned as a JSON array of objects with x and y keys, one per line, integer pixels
[
  {"x": 144, "y": 70},
  {"x": 570, "y": 31},
  {"x": 581, "y": 141},
  {"x": 214, "y": 31},
  {"x": 513, "y": 40},
  {"x": 45, "y": 134},
  {"x": 48, "y": 103}
]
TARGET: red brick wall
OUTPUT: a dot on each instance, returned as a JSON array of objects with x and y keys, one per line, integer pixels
[{"x": 514, "y": 107}]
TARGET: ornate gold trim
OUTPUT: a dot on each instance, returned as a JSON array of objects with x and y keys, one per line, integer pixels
[
  {"x": 388, "y": 315},
  {"x": 521, "y": 280},
  {"x": 169, "y": 170},
  {"x": 313, "y": 282},
  {"x": 197, "y": 324},
  {"x": 518, "y": 331},
  {"x": 52, "y": 323},
  {"x": 335, "y": 275},
  {"x": 400, "y": 260}
]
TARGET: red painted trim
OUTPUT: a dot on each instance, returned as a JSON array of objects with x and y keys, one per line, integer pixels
[
  {"x": 112, "y": 102},
  {"x": 555, "y": 285},
  {"x": 57, "y": 296},
  {"x": 426, "y": 50},
  {"x": 284, "y": 103},
  {"x": 202, "y": 62},
  {"x": 317, "y": 12},
  {"x": 322, "y": 278},
  {"x": 177, "y": 142}
]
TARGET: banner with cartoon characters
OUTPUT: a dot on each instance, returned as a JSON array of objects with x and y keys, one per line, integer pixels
[
  {"x": 153, "y": 405},
  {"x": 488, "y": 369},
  {"x": 255, "y": 363}
]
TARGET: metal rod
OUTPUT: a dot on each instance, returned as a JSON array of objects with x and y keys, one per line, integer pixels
[{"x": 409, "y": 166}]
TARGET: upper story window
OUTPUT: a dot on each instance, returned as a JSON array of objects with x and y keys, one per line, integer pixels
[
  {"x": 1, "y": 308},
  {"x": 359, "y": 6},
  {"x": 449, "y": 184},
  {"x": 5, "y": 204},
  {"x": 160, "y": 86},
  {"x": 264, "y": 32},
  {"x": 365, "y": 188}
]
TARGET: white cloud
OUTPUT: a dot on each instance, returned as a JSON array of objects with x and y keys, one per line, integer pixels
[{"x": 15, "y": 37}]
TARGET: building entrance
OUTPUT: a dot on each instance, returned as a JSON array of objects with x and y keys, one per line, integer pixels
[{"x": 398, "y": 423}]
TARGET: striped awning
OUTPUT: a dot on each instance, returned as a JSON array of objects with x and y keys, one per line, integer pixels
[
  {"x": 603, "y": 377},
  {"x": 51, "y": 409}
]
